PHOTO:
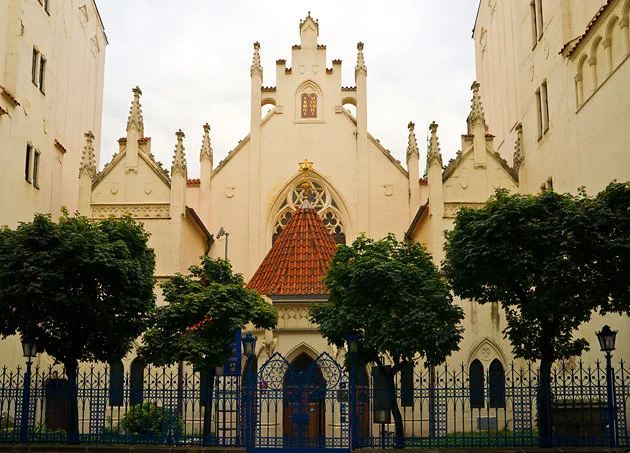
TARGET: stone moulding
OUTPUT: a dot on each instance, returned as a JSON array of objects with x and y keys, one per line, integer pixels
[
  {"x": 450, "y": 209},
  {"x": 137, "y": 211}
]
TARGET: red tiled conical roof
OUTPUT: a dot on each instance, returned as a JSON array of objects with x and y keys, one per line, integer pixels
[{"x": 299, "y": 259}]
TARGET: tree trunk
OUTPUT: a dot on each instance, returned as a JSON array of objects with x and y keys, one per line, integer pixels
[
  {"x": 73, "y": 401},
  {"x": 399, "y": 440},
  {"x": 544, "y": 397}
]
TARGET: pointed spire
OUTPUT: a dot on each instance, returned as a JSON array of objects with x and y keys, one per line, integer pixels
[
  {"x": 360, "y": 68},
  {"x": 135, "y": 113},
  {"x": 412, "y": 147},
  {"x": 519, "y": 156},
  {"x": 476, "y": 110},
  {"x": 179, "y": 159},
  {"x": 434, "y": 147},
  {"x": 88, "y": 157},
  {"x": 206, "y": 149},
  {"x": 256, "y": 67}
]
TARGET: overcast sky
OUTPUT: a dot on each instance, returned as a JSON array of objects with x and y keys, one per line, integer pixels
[{"x": 191, "y": 58}]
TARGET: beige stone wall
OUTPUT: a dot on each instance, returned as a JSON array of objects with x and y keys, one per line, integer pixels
[
  {"x": 71, "y": 39},
  {"x": 588, "y": 105}
]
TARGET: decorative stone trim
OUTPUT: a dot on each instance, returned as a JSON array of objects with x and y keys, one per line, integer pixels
[
  {"x": 451, "y": 209},
  {"x": 138, "y": 211}
]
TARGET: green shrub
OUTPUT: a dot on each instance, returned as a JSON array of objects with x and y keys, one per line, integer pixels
[
  {"x": 149, "y": 418},
  {"x": 6, "y": 421}
]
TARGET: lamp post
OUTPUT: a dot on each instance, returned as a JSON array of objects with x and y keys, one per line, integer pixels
[
  {"x": 352, "y": 340},
  {"x": 29, "y": 349},
  {"x": 220, "y": 234},
  {"x": 249, "y": 349},
  {"x": 606, "y": 338}
]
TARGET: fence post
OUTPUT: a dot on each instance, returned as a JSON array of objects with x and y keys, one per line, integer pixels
[
  {"x": 352, "y": 398},
  {"x": 610, "y": 391}
]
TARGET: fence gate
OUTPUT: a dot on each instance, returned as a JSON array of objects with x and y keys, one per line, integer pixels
[{"x": 300, "y": 405}]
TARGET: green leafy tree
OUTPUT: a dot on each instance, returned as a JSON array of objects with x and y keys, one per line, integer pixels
[
  {"x": 204, "y": 310},
  {"x": 550, "y": 260},
  {"x": 392, "y": 296},
  {"x": 83, "y": 290}
]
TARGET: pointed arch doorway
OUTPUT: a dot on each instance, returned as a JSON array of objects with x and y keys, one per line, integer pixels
[{"x": 304, "y": 404}]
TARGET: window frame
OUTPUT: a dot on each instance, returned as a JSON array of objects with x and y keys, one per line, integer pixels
[
  {"x": 42, "y": 73},
  {"x": 35, "y": 66},
  {"x": 36, "y": 162},
  {"x": 544, "y": 94},
  {"x": 28, "y": 176}
]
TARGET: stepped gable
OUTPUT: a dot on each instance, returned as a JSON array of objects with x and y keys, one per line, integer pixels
[{"x": 299, "y": 259}]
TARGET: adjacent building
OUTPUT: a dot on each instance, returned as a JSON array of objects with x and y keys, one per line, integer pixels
[{"x": 52, "y": 57}]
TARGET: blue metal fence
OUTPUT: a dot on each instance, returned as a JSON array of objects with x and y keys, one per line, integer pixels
[{"x": 317, "y": 404}]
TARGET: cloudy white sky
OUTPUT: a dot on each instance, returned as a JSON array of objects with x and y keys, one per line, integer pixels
[{"x": 191, "y": 58}]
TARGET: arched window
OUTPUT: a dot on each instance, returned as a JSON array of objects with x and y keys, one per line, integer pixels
[
  {"x": 136, "y": 381},
  {"x": 116, "y": 383},
  {"x": 497, "y": 384},
  {"x": 476, "y": 378},
  {"x": 323, "y": 202}
]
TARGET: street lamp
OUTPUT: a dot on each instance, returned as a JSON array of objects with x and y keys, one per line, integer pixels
[
  {"x": 606, "y": 338},
  {"x": 249, "y": 349},
  {"x": 29, "y": 349},
  {"x": 220, "y": 234},
  {"x": 352, "y": 340},
  {"x": 249, "y": 345}
]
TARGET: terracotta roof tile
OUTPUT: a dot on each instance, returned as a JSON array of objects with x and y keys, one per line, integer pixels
[
  {"x": 572, "y": 45},
  {"x": 299, "y": 259},
  {"x": 193, "y": 181}
]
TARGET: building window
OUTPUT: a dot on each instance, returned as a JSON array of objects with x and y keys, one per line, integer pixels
[
  {"x": 544, "y": 106},
  {"x": 542, "y": 109},
  {"x": 497, "y": 384},
  {"x": 38, "y": 69},
  {"x": 34, "y": 73},
  {"x": 27, "y": 163},
  {"x": 476, "y": 384},
  {"x": 322, "y": 200},
  {"x": 36, "y": 169},
  {"x": 136, "y": 382},
  {"x": 42, "y": 73},
  {"x": 537, "y": 21},
  {"x": 547, "y": 185},
  {"x": 116, "y": 383}
]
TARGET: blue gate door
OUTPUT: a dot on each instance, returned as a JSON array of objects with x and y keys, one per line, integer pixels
[{"x": 301, "y": 405}]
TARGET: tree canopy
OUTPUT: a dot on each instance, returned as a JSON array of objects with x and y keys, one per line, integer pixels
[
  {"x": 204, "y": 310},
  {"x": 550, "y": 260},
  {"x": 392, "y": 296},
  {"x": 83, "y": 290}
]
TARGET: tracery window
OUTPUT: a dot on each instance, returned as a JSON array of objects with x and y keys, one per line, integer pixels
[{"x": 323, "y": 202}]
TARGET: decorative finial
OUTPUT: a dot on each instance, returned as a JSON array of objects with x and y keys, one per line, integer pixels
[
  {"x": 206, "y": 149},
  {"x": 476, "y": 109},
  {"x": 412, "y": 147},
  {"x": 434, "y": 147},
  {"x": 135, "y": 113},
  {"x": 256, "y": 67},
  {"x": 361, "y": 68},
  {"x": 519, "y": 155},
  {"x": 305, "y": 168},
  {"x": 179, "y": 159},
  {"x": 88, "y": 158}
]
